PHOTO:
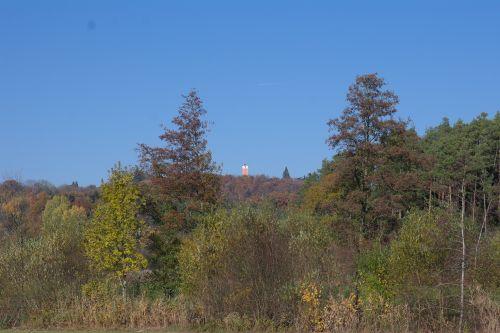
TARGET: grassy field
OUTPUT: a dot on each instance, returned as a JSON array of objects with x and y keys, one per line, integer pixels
[{"x": 92, "y": 331}]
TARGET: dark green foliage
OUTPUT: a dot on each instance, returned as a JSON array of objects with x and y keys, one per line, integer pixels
[
  {"x": 164, "y": 248},
  {"x": 468, "y": 154},
  {"x": 286, "y": 174}
]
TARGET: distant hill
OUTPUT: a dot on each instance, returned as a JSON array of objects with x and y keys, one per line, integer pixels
[{"x": 259, "y": 188}]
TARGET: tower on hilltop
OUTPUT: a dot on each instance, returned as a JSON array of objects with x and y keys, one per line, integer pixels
[{"x": 244, "y": 170}]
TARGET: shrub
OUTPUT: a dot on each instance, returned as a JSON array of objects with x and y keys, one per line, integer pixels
[
  {"x": 486, "y": 311},
  {"x": 237, "y": 261},
  {"x": 35, "y": 273},
  {"x": 340, "y": 315},
  {"x": 487, "y": 267},
  {"x": 253, "y": 261}
]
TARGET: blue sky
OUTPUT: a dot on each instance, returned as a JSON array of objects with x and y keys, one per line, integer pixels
[{"x": 82, "y": 82}]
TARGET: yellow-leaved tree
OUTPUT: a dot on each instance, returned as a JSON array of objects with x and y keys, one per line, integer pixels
[{"x": 112, "y": 239}]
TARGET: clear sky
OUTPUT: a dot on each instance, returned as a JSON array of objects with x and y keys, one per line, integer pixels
[{"x": 82, "y": 82}]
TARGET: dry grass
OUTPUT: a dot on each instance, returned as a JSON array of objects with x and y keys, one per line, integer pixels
[
  {"x": 486, "y": 312},
  {"x": 93, "y": 331},
  {"x": 116, "y": 313}
]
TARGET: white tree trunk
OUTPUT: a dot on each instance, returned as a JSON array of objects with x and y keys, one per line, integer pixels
[
  {"x": 486, "y": 208},
  {"x": 462, "y": 276}
]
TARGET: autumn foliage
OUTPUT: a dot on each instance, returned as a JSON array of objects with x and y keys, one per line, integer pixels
[{"x": 396, "y": 231}]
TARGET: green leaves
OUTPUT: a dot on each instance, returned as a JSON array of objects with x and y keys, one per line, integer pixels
[
  {"x": 251, "y": 260},
  {"x": 112, "y": 239},
  {"x": 36, "y": 273}
]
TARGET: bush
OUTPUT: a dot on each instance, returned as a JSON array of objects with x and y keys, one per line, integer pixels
[
  {"x": 251, "y": 262},
  {"x": 237, "y": 261},
  {"x": 36, "y": 273},
  {"x": 418, "y": 273},
  {"x": 486, "y": 266},
  {"x": 424, "y": 266},
  {"x": 486, "y": 311}
]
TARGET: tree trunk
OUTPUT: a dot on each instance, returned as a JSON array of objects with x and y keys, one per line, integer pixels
[
  {"x": 358, "y": 254},
  {"x": 462, "y": 275},
  {"x": 486, "y": 208},
  {"x": 430, "y": 197},
  {"x": 123, "y": 283},
  {"x": 449, "y": 196},
  {"x": 474, "y": 202}
]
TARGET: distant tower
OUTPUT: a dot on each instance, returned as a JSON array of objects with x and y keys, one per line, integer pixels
[{"x": 244, "y": 170}]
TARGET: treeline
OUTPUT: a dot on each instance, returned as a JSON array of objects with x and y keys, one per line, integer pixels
[
  {"x": 395, "y": 232},
  {"x": 254, "y": 189}
]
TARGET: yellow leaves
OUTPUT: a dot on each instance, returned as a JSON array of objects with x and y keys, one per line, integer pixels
[
  {"x": 14, "y": 207},
  {"x": 310, "y": 297},
  {"x": 319, "y": 197},
  {"x": 111, "y": 240},
  {"x": 335, "y": 315},
  {"x": 310, "y": 294}
]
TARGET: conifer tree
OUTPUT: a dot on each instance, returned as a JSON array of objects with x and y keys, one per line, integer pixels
[
  {"x": 183, "y": 170},
  {"x": 286, "y": 174},
  {"x": 185, "y": 183}
]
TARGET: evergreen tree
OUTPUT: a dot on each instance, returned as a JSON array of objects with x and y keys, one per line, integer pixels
[
  {"x": 286, "y": 174},
  {"x": 465, "y": 166}
]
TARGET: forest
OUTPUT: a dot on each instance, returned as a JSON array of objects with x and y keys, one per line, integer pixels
[{"x": 397, "y": 231}]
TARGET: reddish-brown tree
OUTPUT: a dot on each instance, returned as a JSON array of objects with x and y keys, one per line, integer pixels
[
  {"x": 378, "y": 159},
  {"x": 254, "y": 189},
  {"x": 377, "y": 163},
  {"x": 182, "y": 170}
]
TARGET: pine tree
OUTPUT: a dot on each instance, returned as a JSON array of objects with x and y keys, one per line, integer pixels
[{"x": 286, "y": 174}]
